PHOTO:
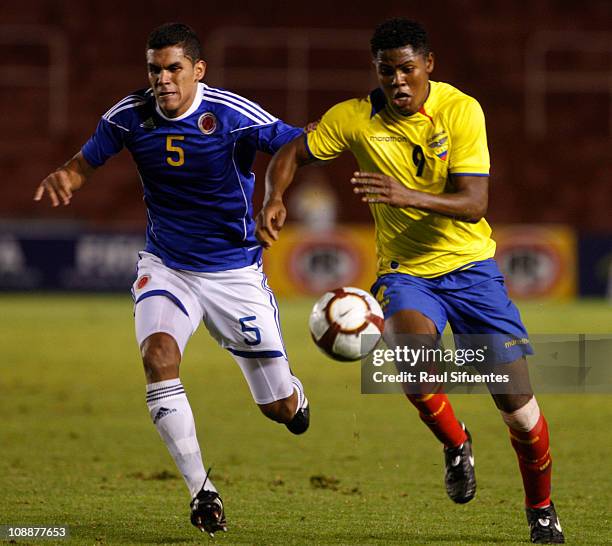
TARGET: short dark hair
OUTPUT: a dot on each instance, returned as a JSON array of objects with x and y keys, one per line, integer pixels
[
  {"x": 176, "y": 34},
  {"x": 400, "y": 32}
]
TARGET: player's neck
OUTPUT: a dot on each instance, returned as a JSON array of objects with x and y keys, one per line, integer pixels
[
  {"x": 183, "y": 112},
  {"x": 418, "y": 108}
]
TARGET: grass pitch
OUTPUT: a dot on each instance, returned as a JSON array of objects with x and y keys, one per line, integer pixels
[{"x": 78, "y": 448}]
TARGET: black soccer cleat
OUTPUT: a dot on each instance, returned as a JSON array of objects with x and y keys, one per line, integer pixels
[
  {"x": 207, "y": 512},
  {"x": 460, "y": 479},
  {"x": 301, "y": 420},
  {"x": 544, "y": 525}
]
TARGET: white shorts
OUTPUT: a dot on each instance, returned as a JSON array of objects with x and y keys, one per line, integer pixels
[{"x": 237, "y": 307}]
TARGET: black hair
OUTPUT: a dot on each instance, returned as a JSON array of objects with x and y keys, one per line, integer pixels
[
  {"x": 400, "y": 32},
  {"x": 176, "y": 34}
]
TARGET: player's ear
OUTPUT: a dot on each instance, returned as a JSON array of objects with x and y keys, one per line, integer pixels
[
  {"x": 199, "y": 69},
  {"x": 429, "y": 62}
]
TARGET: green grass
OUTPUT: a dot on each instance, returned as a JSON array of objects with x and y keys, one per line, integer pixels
[{"x": 77, "y": 446}]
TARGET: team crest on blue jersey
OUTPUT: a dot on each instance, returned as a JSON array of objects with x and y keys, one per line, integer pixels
[
  {"x": 439, "y": 144},
  {"x": 207, "y": 123}
]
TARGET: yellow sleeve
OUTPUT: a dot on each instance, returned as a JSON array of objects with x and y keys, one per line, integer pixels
[
  {"x": 333, "y": 133},
  {"x": 470, "y": 154}
]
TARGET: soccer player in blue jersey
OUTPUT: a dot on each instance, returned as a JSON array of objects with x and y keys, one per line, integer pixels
[
  {"x": 194, "y": 147},
  {"x": 423, "y": 168}
]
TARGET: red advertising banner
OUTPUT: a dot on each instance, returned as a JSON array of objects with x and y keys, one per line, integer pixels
[{"x": 539, "y": 261}]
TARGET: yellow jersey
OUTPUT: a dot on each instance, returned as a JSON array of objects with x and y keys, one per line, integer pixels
[{"x": 447, "y": 136}]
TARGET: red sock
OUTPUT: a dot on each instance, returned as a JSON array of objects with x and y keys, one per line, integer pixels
[
  {"x": 532, "y": 450},
  {"x": 437, "y": 413}
]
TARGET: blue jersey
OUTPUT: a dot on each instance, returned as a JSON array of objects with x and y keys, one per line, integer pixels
[{"x": 196, "y": 173}]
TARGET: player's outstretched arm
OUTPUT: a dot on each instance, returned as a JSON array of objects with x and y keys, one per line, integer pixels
[
  {"x": 279, "y": 176},
  {"x": 468, "y": 200},
  {"x": 61, "y": 183}
]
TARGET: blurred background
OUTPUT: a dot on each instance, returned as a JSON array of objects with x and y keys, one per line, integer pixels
[{"x": 542, "y": 71}]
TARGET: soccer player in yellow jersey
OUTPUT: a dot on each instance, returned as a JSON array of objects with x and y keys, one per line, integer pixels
[{"x": 424, "y": 170}]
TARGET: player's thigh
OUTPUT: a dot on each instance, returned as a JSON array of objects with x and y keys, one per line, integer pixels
[
  {"x": 411, "y": 309},
  {"x": 511, "y": 394},
  {"x": 242, "y": 314},
  {"x": 414, "y": 320},
  {"x": 163, "y": 303},
  {"x": 159, "y": 314}
]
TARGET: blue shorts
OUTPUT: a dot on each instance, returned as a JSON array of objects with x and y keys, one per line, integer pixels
[{"x": 473, "y": 300}]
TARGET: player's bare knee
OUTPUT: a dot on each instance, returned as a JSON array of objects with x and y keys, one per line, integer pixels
[
  {"x": 160, "y": 357},
  {"x": 281, "y": 411}
]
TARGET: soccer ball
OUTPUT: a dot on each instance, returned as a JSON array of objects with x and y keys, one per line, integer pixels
[{"x": 339, "y": 319}]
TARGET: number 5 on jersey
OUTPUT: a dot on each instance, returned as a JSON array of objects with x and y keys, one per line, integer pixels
[{"x": 178, "y": 159}]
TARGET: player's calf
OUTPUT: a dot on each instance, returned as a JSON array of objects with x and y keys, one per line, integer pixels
[
  {"x": 293, "y": 411},
  {"x": 284, "y": 411},
  {"x": 281, "y": 411},
  {"x": 436, "y": 411},
  {"x": 529, "y": 437},
  {"x": 300, "y": 421}
]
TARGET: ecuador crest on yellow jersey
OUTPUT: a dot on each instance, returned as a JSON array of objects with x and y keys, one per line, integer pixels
[{"x": 447, "y": 136}]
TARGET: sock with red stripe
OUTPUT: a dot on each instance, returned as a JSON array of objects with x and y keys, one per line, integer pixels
[
  {"x": 535, "y": 463},
  {"x": 529, "y": 438},
  {"x": 436, "y": 412}
]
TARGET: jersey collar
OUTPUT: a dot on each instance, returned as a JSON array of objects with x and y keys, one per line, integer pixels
[
  {"x": 378, "y": 101},
  {"x": 197, "y": 100}
]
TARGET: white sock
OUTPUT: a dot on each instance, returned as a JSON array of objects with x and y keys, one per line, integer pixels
[
  {"x": 171, "y": 414},
  {"x": 299, "y": 389}
]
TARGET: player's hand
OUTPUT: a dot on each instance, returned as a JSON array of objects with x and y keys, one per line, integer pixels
[
  {"x": 58, "y": 186},
  {"x": 380, "y": 188},
  {"x": 269, "y": 222},
  {"x": 311, "y": 126}
]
